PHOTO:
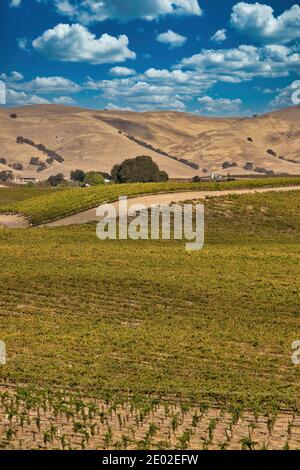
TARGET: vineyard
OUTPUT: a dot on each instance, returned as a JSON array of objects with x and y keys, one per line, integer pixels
[
  {"x": 56, "y": 204},
  {"x": 32, "y": 419},
  {"x": 140, "y": 344}
]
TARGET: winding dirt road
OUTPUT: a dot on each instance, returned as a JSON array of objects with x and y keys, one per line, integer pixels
[{"x": 13, "y": 221}]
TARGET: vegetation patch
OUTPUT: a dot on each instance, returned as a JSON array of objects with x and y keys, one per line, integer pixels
[{"x": 70, "y": 201}]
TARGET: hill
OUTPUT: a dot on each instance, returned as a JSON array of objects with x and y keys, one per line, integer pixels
[{"x": 58, "y": 138}]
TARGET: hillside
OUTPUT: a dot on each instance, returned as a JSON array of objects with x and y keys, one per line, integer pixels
[{"x": 72, "y": 137}]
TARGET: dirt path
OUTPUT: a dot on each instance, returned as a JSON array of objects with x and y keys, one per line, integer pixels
[
  {"x": 168, "y": 198},
  {"x": 14, "y": 221}
]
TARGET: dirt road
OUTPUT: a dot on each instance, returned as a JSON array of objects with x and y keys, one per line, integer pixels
[
  {"x": 13, "y": 221},
  {"x": 169, "y": 198}
]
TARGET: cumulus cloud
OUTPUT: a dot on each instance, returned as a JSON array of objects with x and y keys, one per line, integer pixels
[
  {"x": 13, "y": 77},
  {"x": 257, "y": 20},
  {"x": 138, "y": 94},
  {"x": 74, "y": 43},
  {"x": 219, "y": 36},
  {"x": 154, "y": 89},
  {"x": 219, "y": 105},
  {"x": 285, "y": 96},
  {"x": 89, "y": 11},
  {"x": 172, "y": 39},
  {"x": 20, "y": 98},
  {"x": 23, "y": 43},
  {"x": 15, "y": 3},
  {"x": 67, "y": 100},
  {"x": 47, "y": 85},
  {"x": 122, "y": 72},
  {"x": 245, "y": 62}
]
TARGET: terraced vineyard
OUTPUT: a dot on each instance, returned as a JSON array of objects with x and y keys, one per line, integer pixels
[
  {"x": 152, "y": 346},
  {"x": 70, "y": 201}
]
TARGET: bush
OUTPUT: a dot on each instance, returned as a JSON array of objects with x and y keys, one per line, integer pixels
[
  {"x": 141, "y": 169},
  {"x": 3, "y": 161},
  {"x": 34, "y": 161},
  {"x": 196, "y": 179},
  {"x": 93, "y": 178},
  {"x": 14, "y": 116},
  {"x": 248, "y": 166},
  {"x": 78, "y": 175},
  {"x": 56, "y": 180},
  {"x": 17, "y": 166},
  {"x": 6, "y": 175}
]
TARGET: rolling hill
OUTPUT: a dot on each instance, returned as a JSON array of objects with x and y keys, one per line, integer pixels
[{"x": 47, "y": 139}]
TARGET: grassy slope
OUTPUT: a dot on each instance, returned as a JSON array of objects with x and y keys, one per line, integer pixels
[
  {"x": 149, "y": 316},
  {"x": 15, "y": 194},
  {"x": 70, "y": 201}
]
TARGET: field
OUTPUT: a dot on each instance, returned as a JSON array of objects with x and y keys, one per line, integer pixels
[
  {"x": 153, "y": 346},
  {"x": 10, "y": 195},
  {"x": 56, "y": 204}
]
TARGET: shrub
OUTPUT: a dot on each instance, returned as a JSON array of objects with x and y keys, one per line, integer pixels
[
  {"x": 17, "y": 166},
  {"x": 6, "y": 175},
  {"x": 34, "y": 161},
  {"x": 78, "y": 175},
  {"x": 93, "y": 178},
  {"x": 196, "y": 179},
  {"x": 42, "y": 166},
  {"x": 56, "y": 180},
  {"x": 3, "y": 161},
  {"x": 248, "y": 166},
  {"x": 14, "y": 116},
  {"x": 141, "y": 169}
]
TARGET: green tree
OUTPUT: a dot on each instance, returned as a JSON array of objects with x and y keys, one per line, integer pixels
[
  {"x": 56, "y": 180},
  {"x": 6, "y": 175},
  {"x": 78, "y": 175},
  {"x": 94, "y": 178},
  {"x": 141, "y": 169}
]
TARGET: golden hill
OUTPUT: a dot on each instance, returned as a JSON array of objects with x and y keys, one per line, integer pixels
[{"x": 72, "y": 137}]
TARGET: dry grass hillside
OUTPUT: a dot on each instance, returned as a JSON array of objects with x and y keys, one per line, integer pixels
[{"x": 96, "y": 140}]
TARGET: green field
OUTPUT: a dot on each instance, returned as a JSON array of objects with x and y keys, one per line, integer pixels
[
  {"x": 147, "y": 316},
  {"x": 11, "y": 195},
  {"x": 56, "y": 204}
]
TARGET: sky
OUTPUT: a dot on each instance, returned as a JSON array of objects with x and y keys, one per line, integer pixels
[{"x": 208, "y": 57}]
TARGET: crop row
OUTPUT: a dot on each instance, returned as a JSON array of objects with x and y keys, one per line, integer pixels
[
  {"x": 32, "y": 419},
  {"x": 67, "y": 202}
]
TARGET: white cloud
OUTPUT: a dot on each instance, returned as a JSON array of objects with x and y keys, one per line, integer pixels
[
  {"x": 20, "y": 98},
  {"x": 257, "y": 20},
  {"x": 13, "y": 77},
  {"x": 15, "y": 3},
  {"x": 74, "y": 43},
  {"x": 284, "y": 98},
  {"x": 89, "y": 11},
  {"x": 219, "y": 36},
  {"x": 67, "y": 100},
  {"x": 23, "y": 43},
  {"x": 136, "y": 93},
  {"x": 115, "y": 107},
  {"x": 46, "y": 85},
  {"x": 122, "y": 72},
  {"x": 172, "y": 39},
  {"x": 219, "y": 105},
  {"x": 245, "y": 62}
]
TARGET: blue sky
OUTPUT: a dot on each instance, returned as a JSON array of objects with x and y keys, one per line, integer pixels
[{"x": 209, "y": 57}]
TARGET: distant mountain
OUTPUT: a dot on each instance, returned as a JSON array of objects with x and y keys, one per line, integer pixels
[{"x": 46, "y": 139}]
